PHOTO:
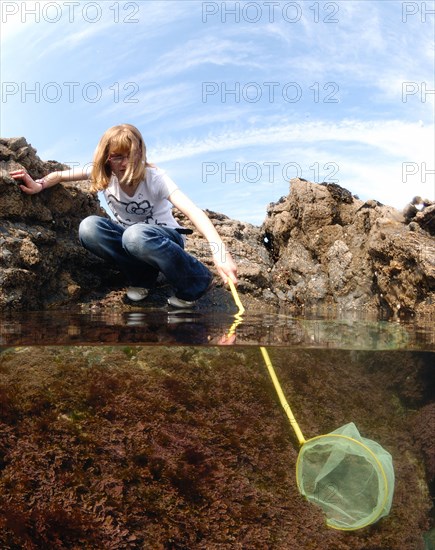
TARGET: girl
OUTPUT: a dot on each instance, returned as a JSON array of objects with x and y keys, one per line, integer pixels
[{"x": 144, "y": 238}]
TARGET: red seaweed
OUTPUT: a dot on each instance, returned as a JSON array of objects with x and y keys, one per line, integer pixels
[{"x": 187, "y": 448}]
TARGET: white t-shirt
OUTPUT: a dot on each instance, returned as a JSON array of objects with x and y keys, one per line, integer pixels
[{"x": 149, "y": 204}]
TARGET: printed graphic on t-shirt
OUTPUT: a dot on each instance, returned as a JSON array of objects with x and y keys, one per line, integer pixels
[
  {"x": 149, "y": 204},
  {"x": 143, "y": 211}
]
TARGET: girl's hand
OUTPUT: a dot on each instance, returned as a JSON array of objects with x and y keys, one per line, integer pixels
[
  {"x": 225, "y": 266},
  {"x": 30, "y": 186}
]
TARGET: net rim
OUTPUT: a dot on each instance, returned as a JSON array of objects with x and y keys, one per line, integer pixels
[{"x": 380, "y": 508}]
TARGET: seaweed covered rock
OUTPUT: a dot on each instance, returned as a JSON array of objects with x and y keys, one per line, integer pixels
[
  {"x": 188, "y": 447},
  {"x": 424, "y": 429}
]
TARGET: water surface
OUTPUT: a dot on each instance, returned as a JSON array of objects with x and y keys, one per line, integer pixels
[{"x": 197, "y": 328}]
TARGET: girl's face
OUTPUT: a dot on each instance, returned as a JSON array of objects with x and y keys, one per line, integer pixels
[{"x": 119, "y": 163}]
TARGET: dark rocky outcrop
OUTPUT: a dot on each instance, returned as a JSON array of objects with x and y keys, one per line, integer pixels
[
  {"x": 42, "y": 263},
  {"x": 319, "y": 248}
]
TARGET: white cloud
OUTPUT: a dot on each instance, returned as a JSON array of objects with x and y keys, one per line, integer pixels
[
  {"x": 396, "y": 138},
  {"x": 197, "y": 52},
  {"x": 151, "y": 105},
  {"x": 384, "y": 160}
]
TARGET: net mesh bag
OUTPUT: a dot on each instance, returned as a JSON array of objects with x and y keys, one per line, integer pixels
[{"x": 351, "y": 478}]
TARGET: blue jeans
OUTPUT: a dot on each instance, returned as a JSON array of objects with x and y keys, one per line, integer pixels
[{"x": 141, "y": 251}]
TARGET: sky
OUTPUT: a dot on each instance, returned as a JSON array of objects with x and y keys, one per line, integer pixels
[{"x": 234, "y": 99}]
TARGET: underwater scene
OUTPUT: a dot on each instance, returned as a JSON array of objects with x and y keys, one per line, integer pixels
[{"x": 156, "y": 431}]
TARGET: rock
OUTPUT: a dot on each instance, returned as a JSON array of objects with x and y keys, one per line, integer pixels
[
  {"x": 422, "y": 212},
  {"x": 426, "y": 218},
  {"x": 244, "y": 242},
  {"x": 331, "y": 248},
  {"x": 40, "y": 252},
  {"x": 339, "y": 259},
  {"x": 319, "y": 247}
]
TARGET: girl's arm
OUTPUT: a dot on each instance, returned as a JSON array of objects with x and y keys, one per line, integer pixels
[
  {"x": 225, "y": 265},
  {"x": 31, "y": 186}
]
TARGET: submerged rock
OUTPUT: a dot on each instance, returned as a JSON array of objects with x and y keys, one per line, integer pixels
[{"x": 319, "y": 247}]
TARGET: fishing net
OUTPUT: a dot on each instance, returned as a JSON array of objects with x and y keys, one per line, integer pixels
[{"x": 350, "y": 477}]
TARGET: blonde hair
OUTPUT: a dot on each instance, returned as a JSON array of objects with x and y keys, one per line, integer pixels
[{"x": 123, "y": 139}]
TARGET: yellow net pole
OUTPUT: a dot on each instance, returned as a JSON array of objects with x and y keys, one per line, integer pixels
[
  {"x": 236, "y": 297},
  {"x": 270, "y": 368},
  {"x": 281, "y": 396}
]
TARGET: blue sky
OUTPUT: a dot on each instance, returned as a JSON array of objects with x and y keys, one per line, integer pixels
[{"x": 233, "y": 98}]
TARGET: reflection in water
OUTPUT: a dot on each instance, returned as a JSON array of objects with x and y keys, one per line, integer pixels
[{"x": 191, "y": 327}]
